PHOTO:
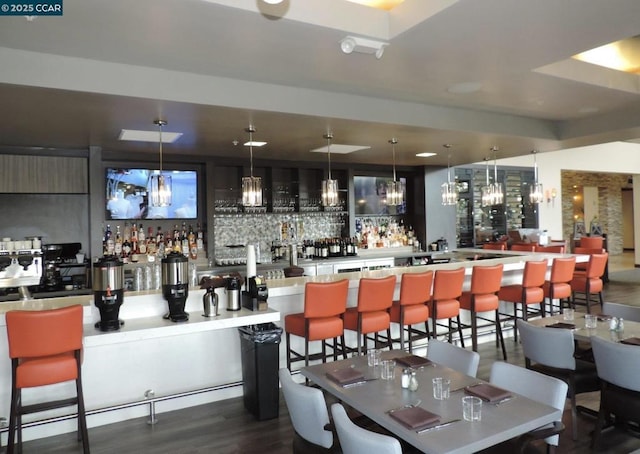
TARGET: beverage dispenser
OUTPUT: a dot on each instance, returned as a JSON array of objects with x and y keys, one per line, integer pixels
[
  {"x": 108, "y": 291},
  {"x": 175, "y": 285}
]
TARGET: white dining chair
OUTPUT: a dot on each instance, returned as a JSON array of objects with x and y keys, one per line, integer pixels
[
  {"x": 356, "y": 440},
  {"x": 539, "y": 387},
  {"x": 456, "y": 358},
  {"x": 308, "y": 413},
  {"x": 618, "y": 368}
]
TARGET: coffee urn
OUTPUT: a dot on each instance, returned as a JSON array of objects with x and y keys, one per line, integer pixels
[
  {"x": 175, "y": 285},
  {"x": 255, "y": 297},
  {"x": 108, "y": 291},
  {"x": 233, "y": 293}
]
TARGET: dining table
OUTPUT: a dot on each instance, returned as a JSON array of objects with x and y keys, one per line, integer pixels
[
  {"x": 379, "y": 398},
  {"x": 583, "y": 334}
]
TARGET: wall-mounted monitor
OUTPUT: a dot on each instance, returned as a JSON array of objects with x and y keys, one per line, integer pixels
[
  {"x": 371, "y": 196},
  {"x": 127, "y": 194}
]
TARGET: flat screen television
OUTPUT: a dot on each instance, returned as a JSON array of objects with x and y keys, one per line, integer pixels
[
  {"x": 127, "y": 194},
  {"x": 371, "y": 196}
]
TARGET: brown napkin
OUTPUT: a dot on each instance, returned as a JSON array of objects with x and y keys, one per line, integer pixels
[
  {"x": 345, "y": 376},
  {"x": 603, "y": 317},
  {"x": 562, "y": 325},
  {"x": 414, "y": 417},
  {"x": 487, "y": 392},
  {"x": 412, "y": 361},
  {"x": 631, "y": 341}
]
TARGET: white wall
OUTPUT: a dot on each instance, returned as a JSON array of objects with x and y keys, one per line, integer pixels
[{"x": 614, "y": 157}]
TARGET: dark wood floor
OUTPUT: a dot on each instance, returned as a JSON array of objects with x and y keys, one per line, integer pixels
[{"x": 226, "y": 427}]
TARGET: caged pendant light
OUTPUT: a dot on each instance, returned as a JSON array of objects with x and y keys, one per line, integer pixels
[
  {"x": 251, "y": 186},
  {"x": 492, "y": 194},
  {"x": 395, "y": 188},
  {"x": 160, "y": 191},
  {"x": 536, "y": 194},
  {"x": 329, "y": 186},
  {"x": 449, "y": 189}
]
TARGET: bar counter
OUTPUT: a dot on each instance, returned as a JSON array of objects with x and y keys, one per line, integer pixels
[{"x": 151, "y": 353}]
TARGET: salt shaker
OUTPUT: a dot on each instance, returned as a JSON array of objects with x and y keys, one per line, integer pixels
[
  {"x": 620, "y": 327},
  {"x": 413, "y": 382},
  {"x": 406, "y": 378},
  {"x": 613, "y": 324}
]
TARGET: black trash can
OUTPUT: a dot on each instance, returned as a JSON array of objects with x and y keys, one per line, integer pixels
[{"x": 260, "y": 352}]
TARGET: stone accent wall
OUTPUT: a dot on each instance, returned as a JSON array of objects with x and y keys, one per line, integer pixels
[{"x": 609, "y": 204}]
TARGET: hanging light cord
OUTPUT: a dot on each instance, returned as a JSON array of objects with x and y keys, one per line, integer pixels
[
  {"x": 394, "y": 141},
  {"x": 447, "y": 146},
  {"x": 160, "y": 124},
  {"x": 495, "y": 164},
  {"x": 251, "y": 150},
  {"x": 535, "y": 167},
  {"x": 329, "y": 136},
  {"x": 487, "y": 161}
]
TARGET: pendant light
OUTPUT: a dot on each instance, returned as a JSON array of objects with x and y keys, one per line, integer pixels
[
  {"x": 329, "y": 186},
  {"x": 160, "y": 193},
  {"x": 251, "y": 186},
  {"x": 449, "y": 189},
  {"x": 536, "y": 195},
  {"x": 492, "y": 194},
  {"x": 395, "y": 188}
]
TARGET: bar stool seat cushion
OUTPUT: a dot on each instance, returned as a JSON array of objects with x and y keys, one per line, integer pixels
[
  {"x": 47, "y": 370},
  {"x": 533, "y": 295},
  {"x": 579, "y": 284},
  {"x": 447, "y": 308},
  {"x": 413, "y": 313},
  {"x": 319, "y": 328},
  {"x": 372, "y": 322},
  {"x": 561, "y": 290},
  {"x": 484, "y": 302}
]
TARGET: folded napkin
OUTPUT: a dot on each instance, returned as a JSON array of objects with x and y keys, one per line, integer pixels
[
  {"x": 562, "y": 325},
  {"x": 631, "y": 341},
  {"x": 603, "y": 317},
  {"x": 345, "y": 376},
  {"x": 412, "y": 361},
  {"x": 414, "y": 417},
  {"x": 487, "y": 392}
]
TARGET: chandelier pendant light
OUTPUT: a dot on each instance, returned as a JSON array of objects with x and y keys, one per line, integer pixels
[
  {"x": 536, "y": 194},
  {"x": 395, "y": 188},
  {"x": 160, "y": 191},
  {"x": 329, "y": 186},
  {"x": 492, "y": 193},
  {"x": 251, "y": 186},
  {"x": 449, "y": 189}
]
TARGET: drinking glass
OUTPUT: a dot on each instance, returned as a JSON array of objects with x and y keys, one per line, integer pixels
[
  {"x": 441, "y": 388},
  {"x": 388, "y": 369},
  {"x": 471, "y": 408},
  {"x": 590, "y": 321},
  {"x": 373, "y": 357},
  {"x": 569, "y": 315}
]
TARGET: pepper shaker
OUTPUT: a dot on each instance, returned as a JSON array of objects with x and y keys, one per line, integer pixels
[
  {"x": 406, "y": 378},
  {"x": 413, "y": 382}
]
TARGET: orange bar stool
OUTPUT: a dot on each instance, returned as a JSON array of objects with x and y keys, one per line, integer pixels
[
  {"x": 375, "y": 297},
  {"x": 528, "y": 292},
  {"x": 445, "y": 304},
  {"x": 411, "y": 308},
  {"x": 592, "y": 242},
  {"x": 322, "y": 319},
  {"x": 590, "y": 283},
  {"x": 483, "y": 297},
  {"x": 45, "y": 348},
  {"x": 552, "y": 249},
  {"x": 558, "y": 286},
  {"x": 582, "y": 266},
  {"x": 497, "y": 246},
  {"x": 524, "y": 247}
]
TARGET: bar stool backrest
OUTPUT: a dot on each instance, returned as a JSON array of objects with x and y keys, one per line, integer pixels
[
  {"x": 562, "y": 269},
  {"x": 447, "y": 284},
  {"x": 325, "y": 299},
  {"x": 415, "y": 288},
  {"x": 592, "y": 242},
  {"x": 486, "y": 279},
  {"x": 596, "y": 266},
  {"x": 376, "y": 294},
  {"x": 535, "y": 273}
]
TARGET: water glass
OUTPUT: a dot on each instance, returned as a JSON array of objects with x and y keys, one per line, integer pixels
[
  {"x": 441, "y": 388},
  {"x": 569, "y": 315},
  {"x": 373, "y": 357},
  {"x": 388, "y": 369},
  {"x": 471, "y": 408},
  {"x": 590, "y": 321}
]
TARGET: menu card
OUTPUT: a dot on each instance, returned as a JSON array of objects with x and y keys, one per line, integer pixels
[
  {"x": 487, "y": 392},
  {"x": 414, "y": 417},
  {"x": 562, "y": 325},
  {"x": 631, "y": 341},
  {"x": 412, "y": 361},
  {"x": 345, "y": 376}
]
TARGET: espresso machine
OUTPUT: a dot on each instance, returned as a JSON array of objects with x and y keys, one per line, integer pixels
[
  {"x": 20, "y": 267},
  {"x": 51, "y": 278},
  {"x": 175, "y": 285},
  {"x": 255, "y": 296},
  {"x": 108, "y": 291}
]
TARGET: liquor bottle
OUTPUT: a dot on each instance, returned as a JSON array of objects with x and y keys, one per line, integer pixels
[
  {"x": 159, "y": 235},
  {"x": 126, "y": 250},
  {"x": 200, "y": 238},
  {"x": 142, "y": 240},
  {"x": 193, "y": 247},
  {"x": 107, "y": 241},
  {"x": 151, "y": 245},
  {"x": 134, "y": 238},
  {"x": 118, "y": 242},
  {"x": 127, "y": 231}
]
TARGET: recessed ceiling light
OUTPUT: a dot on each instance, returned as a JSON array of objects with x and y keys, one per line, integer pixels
[
  {"x": 341, "y": 149},
  {"x": 464, "y": 88},
  {"x": 623, "y": 55},
  {"x": 272, "y": 2},
  {"x": 148, "y": 136},
  {"x": 425, "y": 155},
  {"x": 254, "y": 143},
  {"x": 386, "y": 5}
]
